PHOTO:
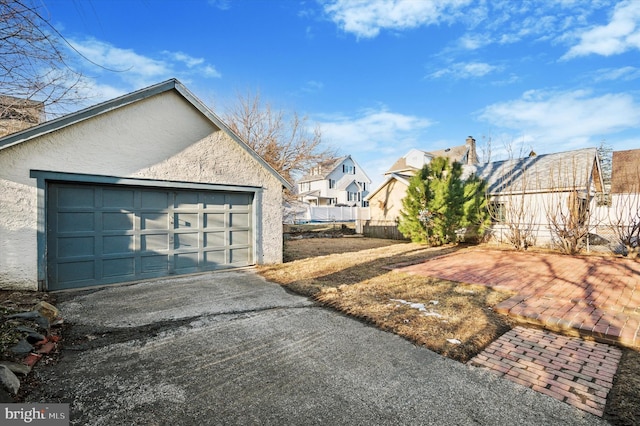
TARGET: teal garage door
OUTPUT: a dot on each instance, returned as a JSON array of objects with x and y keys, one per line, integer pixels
[{"x": 101, "y": 234}]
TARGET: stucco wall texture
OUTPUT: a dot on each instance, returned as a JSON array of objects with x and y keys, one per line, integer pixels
[{"x": 163, "y": 138}]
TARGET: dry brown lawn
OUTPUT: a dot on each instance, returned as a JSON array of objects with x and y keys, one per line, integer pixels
[{"x": 353, "y": 275}]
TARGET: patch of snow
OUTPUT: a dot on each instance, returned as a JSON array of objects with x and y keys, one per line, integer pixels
[
  {"x": 433, "y": 302},
  {"x": 454, "y": 341}
]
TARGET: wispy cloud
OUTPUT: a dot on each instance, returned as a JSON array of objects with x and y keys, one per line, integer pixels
[
  {"x": 465, "y": 70},
  {"x": 374, "y": 130},
  {"x": 621, "y": 74},
  {"x": 366, "y": 18},
  {"x": 122, "y": 70},
  {"x": 564, "y": 119},
  {"x": 621, "y": 34}
]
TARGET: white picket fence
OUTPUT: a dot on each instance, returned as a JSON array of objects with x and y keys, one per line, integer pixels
[{"x": 326, "y": 214}]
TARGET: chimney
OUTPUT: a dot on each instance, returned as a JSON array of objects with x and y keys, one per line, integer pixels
[{"x": 472, "y": 156}]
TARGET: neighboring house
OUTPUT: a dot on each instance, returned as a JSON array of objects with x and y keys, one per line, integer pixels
[
  {"x": 18, "y": 114},
  {"x": 146, "y": 185},
  {"x": 336, "y": 182},
  {"x": 619, "y": 217},
  {"x": 528, "y": 194},
  {"x": 385, "y": 202}
]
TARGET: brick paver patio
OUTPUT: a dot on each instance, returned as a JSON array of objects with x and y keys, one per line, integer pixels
[
  {"x": 590, "y": 295},
  {"x": 574, "y": 371}
]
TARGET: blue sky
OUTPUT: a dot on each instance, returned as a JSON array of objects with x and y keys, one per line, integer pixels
[{"x": 381, "y": 76}]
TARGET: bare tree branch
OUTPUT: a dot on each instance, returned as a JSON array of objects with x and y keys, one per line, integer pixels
[
  {"x": 33, "y": 66},
  {"x": 284, "y": 141}
]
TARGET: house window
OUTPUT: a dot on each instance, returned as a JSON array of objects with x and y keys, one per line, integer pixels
[
  {"x": 353, "y": 196},
  {"x": 497, "y": 212},
  {"x": 350, "y": 170},
  {"x": 332, "y": 183}
]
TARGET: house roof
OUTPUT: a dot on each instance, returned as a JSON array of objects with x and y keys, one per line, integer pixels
[
  {"x": 327, "y": 167},
  {"x": 625, "y": 172},
  {"x": 456, "y": 153},
  {"x": 393, "y": 176},
  {"x": 541, "y": 173},
  {"x": 105, "y": 107}
]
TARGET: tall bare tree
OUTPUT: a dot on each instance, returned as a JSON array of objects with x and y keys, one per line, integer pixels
[
  {"x": 283, "y": 140},
  {"x": 33, "y": 67}
]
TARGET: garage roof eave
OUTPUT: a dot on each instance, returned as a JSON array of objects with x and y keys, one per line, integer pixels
[{"x": 104, "y": 107}]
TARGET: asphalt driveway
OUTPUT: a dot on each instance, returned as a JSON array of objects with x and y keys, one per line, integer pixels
[{"x": 231, "y": 348}]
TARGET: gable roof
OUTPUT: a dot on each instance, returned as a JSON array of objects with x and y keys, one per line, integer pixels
[
  {"x": 393, "y": 176},
  {"x": 456, "y": 153},
  {"x": 625, "y": 172},
  {"x": 105, "y": 107},
  {"x": 541, "y": 173},
  {"x": 326, "y": 167}
]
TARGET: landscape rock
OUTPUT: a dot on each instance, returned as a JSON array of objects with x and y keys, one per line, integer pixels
[
  {"x": 41, "y": 321},
  {"x": 34, "y": 338},
  {"x": 8, "y": 380},
  {"x": 22, "y": 347},
  {"x": 48, "y": 311},
  {"x": 16, "y": 368}
]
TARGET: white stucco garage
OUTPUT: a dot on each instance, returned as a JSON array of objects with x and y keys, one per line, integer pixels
[{"x": 149, "y": 184}]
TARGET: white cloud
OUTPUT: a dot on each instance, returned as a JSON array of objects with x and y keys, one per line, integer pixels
[
  {"x": 565, "y": 119},
  {"x": 117, "y": 59},
  {"x": 621, "y": 34},
  {"x": 375, "y": 137},
  {"x": 623, "y": 74},
  {"x": 365, "y": 18},
  {"x": 188, "y": 60},
  {"x": 123, "y": 70},
  {"x": 462, "y": 70}
]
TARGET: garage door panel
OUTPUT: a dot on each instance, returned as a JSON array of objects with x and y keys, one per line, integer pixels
[
  {"x": 239, "y": 256},
  {"x": 118, "y": 198},
  {"x": 239, "y": 238},
  {"x": 238, "y": 201},
  {"x": 102, "y": 234},
  {"x": 118, "y": 244},
  {"x": 76, "y": 197},
  {"x": 75, "y": 246},
  {"x": 154, "y": 200},
  {"x": 76, "y": 221},
  {"x": 214, "y": 220},
  {"x": 154, "y": 263},
  {"x": 215, "y": 258},
  {"x": 186, "y": 261},
  {"x": 239, "y": 220},
  {"x": 124, "y": 267},
  {"x": 120, "y": 221},
  {"x": 152, "y": 220},
  {"x": 186, "y": 220},
  {"x": 76, "y": 271},
  {"x": 154, "y": 242},
  {"x": 214, "y": 239},
  {"x": 186, "y": 240},
  {"x": 186, "y": 200}
]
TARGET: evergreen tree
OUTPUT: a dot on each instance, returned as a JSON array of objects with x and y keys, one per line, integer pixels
[
  {"x": 413, "y": 220},
  {"x": 439, "y": 202},
  {"x": 476, "y": 216}
]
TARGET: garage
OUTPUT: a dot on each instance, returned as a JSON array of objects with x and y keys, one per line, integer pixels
[
  {"x": 103, "y": 234},
  {"x": 147, "y": 185}
]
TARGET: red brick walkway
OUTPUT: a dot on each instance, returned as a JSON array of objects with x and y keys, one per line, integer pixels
[
  {"x": 591, "y": 295},
  {"x": 571, "y": 370}
]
